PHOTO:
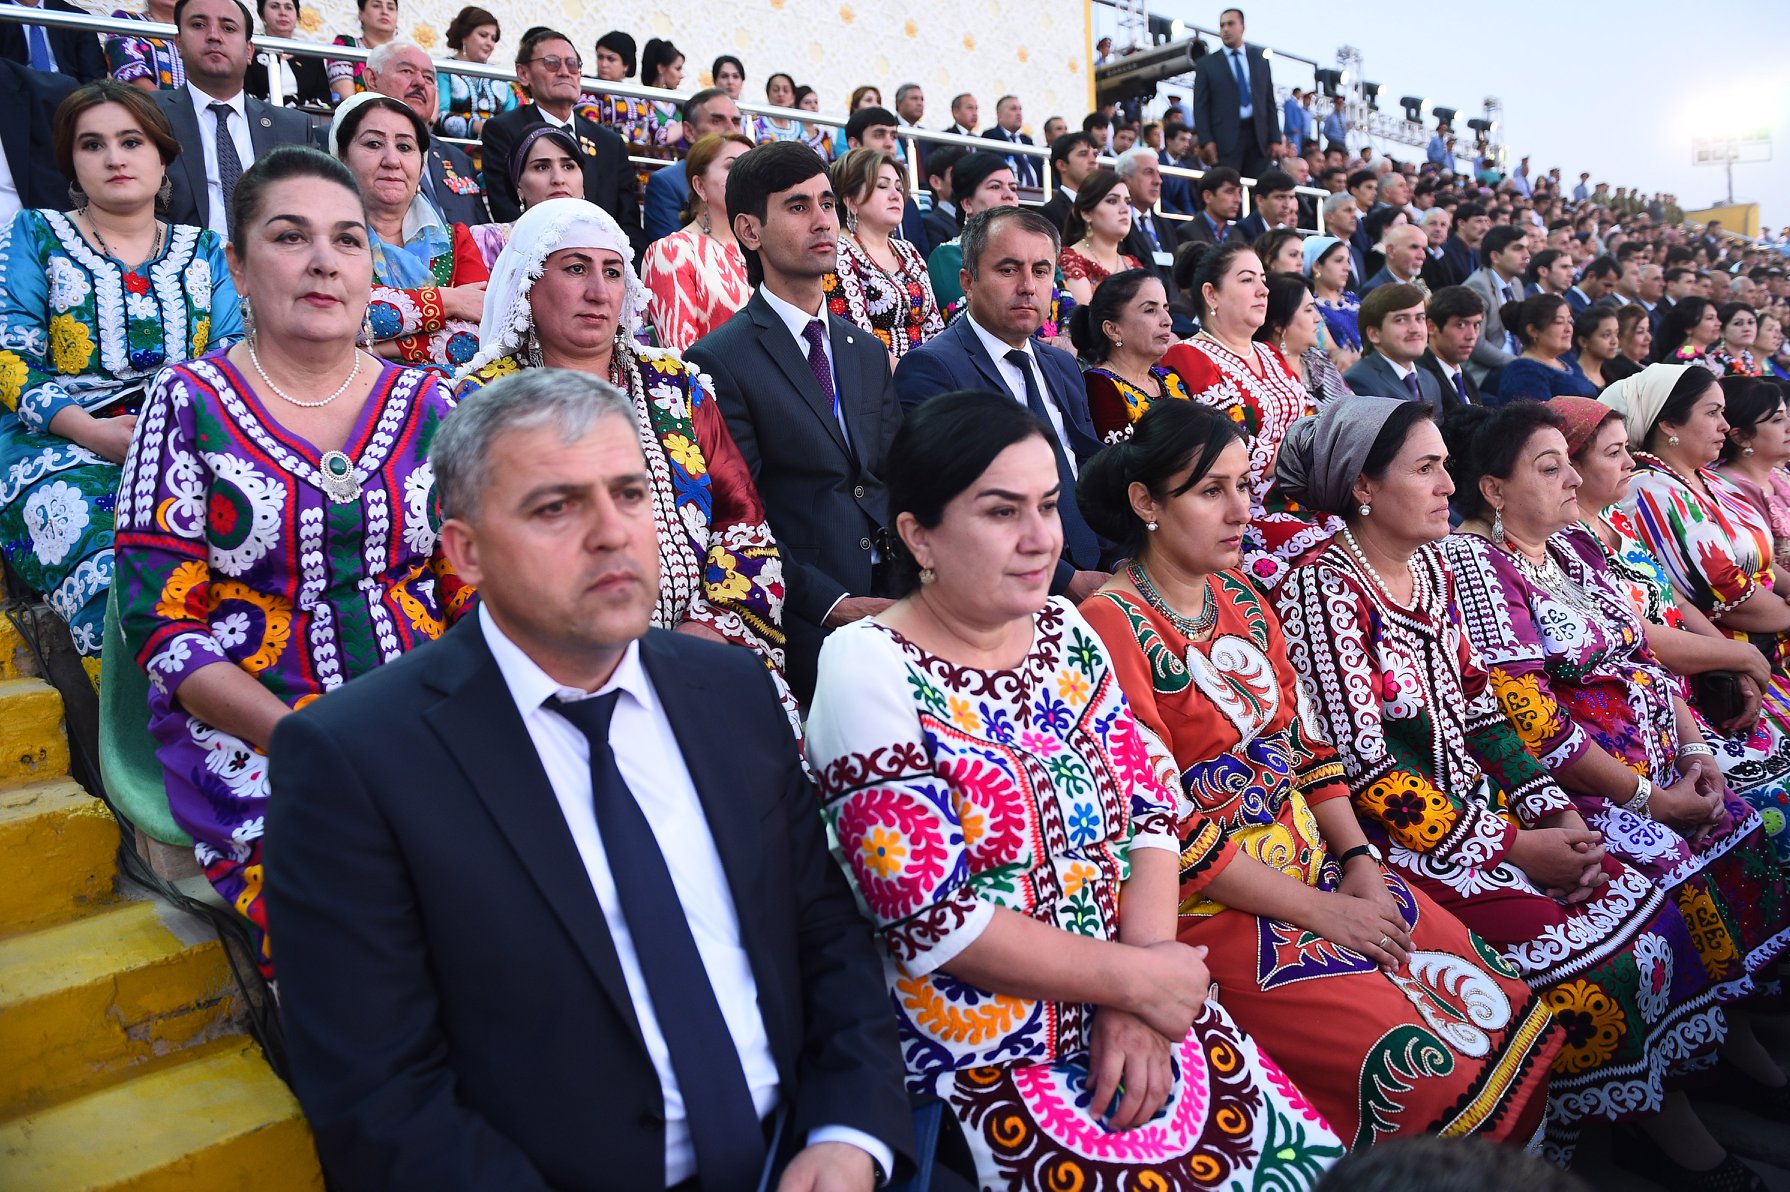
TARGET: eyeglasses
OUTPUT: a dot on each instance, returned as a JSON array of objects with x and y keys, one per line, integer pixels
[{"x": 553, "y": 63}]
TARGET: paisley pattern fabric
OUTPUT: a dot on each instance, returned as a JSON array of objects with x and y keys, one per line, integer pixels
[
  {"x": 1573, "y": 679},
  {"x": 1264, "y": 397},
  {"x": 1115, "y": 403},
  {"x": 230, "y": 552},
  {"x": 1442, "y": 781},
  {"x": 77, "y": 329},
  {"x": 897, "y": 308},
  {"x": 694, "y": 284},
  {"x": 950, "y": 792},
  {"x": 1071, "y": 262},
  {"x": 1454, "y": 1044}
]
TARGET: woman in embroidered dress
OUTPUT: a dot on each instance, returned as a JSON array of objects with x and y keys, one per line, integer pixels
[
  {"x": 1098, "y": 223},
  {"x": 696, "y": 277},
  {"x": 1690, "y": 329},
  {"x": 378, "y": 25},
  {"x": 1294, "y": 326},
  {"x": 428, "y": 279},
  {"x": 1569, "y": 664},
  {"x": 880, "y": 283},
  {"x": 92, "y": 304},
  {"x": 997, "y": 812},
  {"x": 1327, "y": 266},
  {"x": 1740, "y": 331},
  {"x": 1442, "y": 782},
  {"x": 1225, "y": 367},
  {"x": 1122, "y": 335},
  {"x": 662, "y": 66},
  {"x": 632, "y": 119},
  {"x": 544, "y": 165},
  {"x": 147, "y": 63},
  {"x": 467, "y": 101},
  {"x": 563, "y": 296},
  {"x": 1303, "y": 926},
  {"x": 780, "y": 92},
  {"x": 1757, "y": 449},
  {"x": 275, "y": 520}
]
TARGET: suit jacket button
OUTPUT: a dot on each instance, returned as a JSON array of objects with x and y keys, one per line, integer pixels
[
  {"x": 863, "y": 544},
  {"x": 858, "y": 492}
]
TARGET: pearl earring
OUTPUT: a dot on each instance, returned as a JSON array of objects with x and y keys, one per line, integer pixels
[
  {"x": 927, "y": 575},
  {"x": 1365, "y": 509},
  {"x": 1150, "y": 526},
  {"x": 1672, "y": 441},
  {"x": 1746, "y": 450}
]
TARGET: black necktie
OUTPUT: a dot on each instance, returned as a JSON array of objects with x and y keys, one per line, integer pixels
[
  {"x": 1079, "y": 542},
  {"x": 1460, "y": 387},
  {"x": 724, "y": 1126},
  {"x": 229, "y": 165}
]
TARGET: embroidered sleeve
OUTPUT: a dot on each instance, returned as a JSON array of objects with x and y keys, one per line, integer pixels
[
  {"x": 37, "y": 345},
  {"x": 1073, "y": 264},
  {"x": 1107, "y": 407},
  {"x": 338, "y": 69},
  {"x": 398, "y": 313},
  {"x": 225, "y": 326},
  {"x": 932, "y": 320},
  {"x": 131, "y": 58},
  {"x": 1691, "y": 543}
]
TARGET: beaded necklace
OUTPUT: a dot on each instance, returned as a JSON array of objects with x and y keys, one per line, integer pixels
[{"x": 1192, "y": 628}]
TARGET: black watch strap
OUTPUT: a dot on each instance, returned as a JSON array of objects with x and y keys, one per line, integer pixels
[{"x": 1360, "y": 850}]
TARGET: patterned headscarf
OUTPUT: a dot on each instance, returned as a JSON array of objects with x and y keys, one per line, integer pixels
[
  {"x": 1321, "y": 456},
  {"x": 1581, "y": 416},
  {"x": 1641, "y": 397},
  {"x": 540, "y": 232}
]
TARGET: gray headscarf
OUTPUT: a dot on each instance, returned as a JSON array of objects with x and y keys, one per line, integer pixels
[{"x": 1322, "y": 456}]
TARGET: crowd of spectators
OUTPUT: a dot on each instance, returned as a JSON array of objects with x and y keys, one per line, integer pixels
[{"x": 1067, "y": 548}]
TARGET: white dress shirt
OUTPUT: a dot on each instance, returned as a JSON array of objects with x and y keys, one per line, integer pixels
[
  {"x": 219, "y": 220},
  {"x": 1016, "y": 383},
  {"x": 797, "y": 320},
  {"x": 652, "y": 764}
]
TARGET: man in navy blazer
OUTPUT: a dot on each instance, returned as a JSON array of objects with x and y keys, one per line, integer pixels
[
  {"x": 74, "y": 53},
  {"x": 1395, "y": 325},
  {"x": 1009, "y": 263},
  {"x": 668, "y": 188},
  {"x": 1233, "y": 102},
  {"x": 30, "y": 98},
  {"x": 553, "y": 897}
]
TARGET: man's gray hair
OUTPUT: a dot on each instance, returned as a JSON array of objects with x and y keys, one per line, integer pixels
[
  {"x": 1128, "y": 160},
  {"x": 903, "y": 91},
  {"x": 557, "y": 398},
  {"x": 1338, "y": 201},
  {"x": 981, "y": 227},
  {"x": 380, "y": 56}
]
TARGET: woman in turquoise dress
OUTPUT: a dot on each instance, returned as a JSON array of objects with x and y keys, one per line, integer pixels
[{"x": 92, "y": 304}]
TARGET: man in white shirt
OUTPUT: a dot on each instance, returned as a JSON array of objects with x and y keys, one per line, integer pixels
[
  {"x": 553, "y": 895},
  {"x": 221, "y": 129},
  {"x": 1395, "y": 330},
  {"x": 1454, "y": 314}
]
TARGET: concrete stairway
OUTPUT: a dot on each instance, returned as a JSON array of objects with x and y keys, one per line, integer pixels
[{"x": 123, "y": 1059}]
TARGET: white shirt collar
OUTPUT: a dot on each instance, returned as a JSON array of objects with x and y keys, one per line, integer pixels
[
  {"x": 202, "y": 103},
  {"x": 555, "y": 121},
  {"x": 1068, "y": 192},
  {"x": 530, "y": 686},
  {"x": 794, "y": 317},
  {"x": 994, "y": 346},
  {"x": 1403, "y": 370}
]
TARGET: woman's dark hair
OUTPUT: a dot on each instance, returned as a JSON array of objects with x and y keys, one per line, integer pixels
[
  {"x": 1268, "y": 247},
  {"x": 1692, "y": 387},
  {"x": 1587, "y": 321},
  {"x": 143, "y": 109},
  {"x": 1391, "y": 439},
  {"x": 1212, "y": 268},
  {"x": 1287, "y": 292},
  {"x": 942, "y": 448},
  {"x": 281, "y": 164},
  {"x": 1086, "y": 322},
  {"x": 1685, "y": 314},
  {"x": 1171, "y": 435},
  {"x": 1730, "y": 309},
  {"x": 1486, "y": 442},
  {"x": 622, "y": 46},
  {"x": 655, "y": 54},
  {"x": 382, "y": 103},
  {"x": 1099, "y": 184},
  {"x": 1751, "y": 400},
  {"x": 1525, "y": 318},
  {"x": 802, "y": 91},
  {"x": 465, "y": 21},
  {"x": 773, "y": 77},
  {"x": 727, "y": 60}
]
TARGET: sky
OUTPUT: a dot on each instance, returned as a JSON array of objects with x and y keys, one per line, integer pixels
[{"x": 1619, "y": 90}]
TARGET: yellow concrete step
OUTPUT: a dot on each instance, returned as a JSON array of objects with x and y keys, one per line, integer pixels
[
  {"x": 16, "y": 660},
  {"x": 220, "y": 1119},
  {"x": 84, "y": 1002},
  {"x": 33, "y": 746},
  {"x": 58, "y": 850}
]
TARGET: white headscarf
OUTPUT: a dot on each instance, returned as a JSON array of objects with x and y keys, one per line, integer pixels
[
  {"x": 422, "y": 212},
  {"x": 542, "y": 231},
  {"x": 1639, "y": 398}
]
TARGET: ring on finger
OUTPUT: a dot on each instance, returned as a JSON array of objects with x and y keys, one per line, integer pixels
[{"x": 1385, "y": 942}]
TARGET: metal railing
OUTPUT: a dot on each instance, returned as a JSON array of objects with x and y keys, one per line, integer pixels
[{"x": 51, "y": 18}]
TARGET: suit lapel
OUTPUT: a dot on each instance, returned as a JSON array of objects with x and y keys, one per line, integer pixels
[
  {"x": 972, "y": 344},
  {"x": 15, "y": 135},
  {"x": 782, "y": 347},
  {"x": 186, "y": 131},
  {"x": 481, "y": 730},
  {"x": 260, "y": 126}
]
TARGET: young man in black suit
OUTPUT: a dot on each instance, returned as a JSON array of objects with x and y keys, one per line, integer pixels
[
  {"x": 809, "y": 400},
  {"x": 552, "y": 894},
  {"x": 548, "y": 67},
  {"x": 1456, "y": 315}
]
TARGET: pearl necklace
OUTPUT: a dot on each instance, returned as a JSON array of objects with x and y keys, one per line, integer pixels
[
  {"x": 1420, "y": 588},
  {"x": 255, "y": 359},
  {"x": 1192, "y": 628}
]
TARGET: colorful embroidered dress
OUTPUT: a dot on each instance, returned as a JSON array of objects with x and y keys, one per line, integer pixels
[
  {"x": 1228, "y": 730},
  {"x": 898, "y": 308},
  {"x": 465, "y": 100},
  {"x": 1772, "y": 500},
  {"x": 1264, "y": 397},
  {"x": 1441, "y": 780},
  {"x": 632, "y": 119},
  {"x": 340, "y": 68},
  {"x": 1757, "y": 764},
  {"x": 406, "y": 307},
  {"x": 78, "y": 329},
  {"x": 1071, "y": 262},
  {"x": 718, "y": 564},
  {"x": 695, "y": 283},
  {"x": 952, "y": 792},
  {"x": 1732, "y": 364},
  {"x": 133, "y": 58},
  {"x": 1343, "y": 320},
  {"x": 230, "y": 551},
  {"x": 1569, "y": 665},
  {"x": 1115, "y": 403}
]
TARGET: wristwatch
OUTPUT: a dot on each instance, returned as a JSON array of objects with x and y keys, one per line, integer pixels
[{"x": 1361, "y": 850}]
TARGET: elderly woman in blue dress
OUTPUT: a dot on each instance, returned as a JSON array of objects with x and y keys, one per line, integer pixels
[{"x": 92, "y": 303}]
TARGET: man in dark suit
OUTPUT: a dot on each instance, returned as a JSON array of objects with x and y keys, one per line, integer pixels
[
  {"x": 547, "y": 66},
  {"x": 965, "y": 113},
  {"x": 1405, "y": 248},
  {"x": 1233, "y": 102},
  {"x": 1008, "y": 118},
  {"x": 1009, "y": 261},
  {"x": 1221, "y": 198},
  {"x": 1152, "y": 239},
  {"x": 1341, "y": 218},
  {"x": 1455, "y": 314},
  {"x": 941, "y": 221},
  {"x": 809, "y": 400},
  {"x": 659, "y": 974},
  {"x": 403, "y": 71},
  {"x": 221, "y": 128},
  {"x": 1461, "y": 249},
  {"x": 668, "y": 189},
  {"x": 75, "y": 53},
  {"x": 1395, "y": 326},
  {"x": 29, "y": 98},
  {"x": 1276, "y": 206},
  {"x": 1177, "y": 151},
  {"x": 1074, "y": 157}
]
